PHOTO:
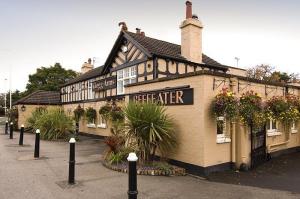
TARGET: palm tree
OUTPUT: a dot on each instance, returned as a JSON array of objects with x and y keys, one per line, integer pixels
[{"x": 150, "y": 128}]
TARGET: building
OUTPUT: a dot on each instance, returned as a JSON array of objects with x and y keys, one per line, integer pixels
[{"x": 185, "y": 80}]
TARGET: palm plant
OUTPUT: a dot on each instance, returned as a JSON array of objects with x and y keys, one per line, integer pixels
[
  {"x": 53, "y": 123},
  {"x": 150, "y": 128}
]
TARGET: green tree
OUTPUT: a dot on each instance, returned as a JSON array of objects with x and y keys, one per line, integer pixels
[{"x": 49, "y": 78}]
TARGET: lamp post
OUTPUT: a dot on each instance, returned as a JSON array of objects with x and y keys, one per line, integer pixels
[
  {"x": 237, "y": 61},
  {"x": 5, "y": 105}
]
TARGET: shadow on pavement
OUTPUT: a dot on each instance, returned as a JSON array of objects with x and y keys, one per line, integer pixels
[{"x": 281, "y": 173}]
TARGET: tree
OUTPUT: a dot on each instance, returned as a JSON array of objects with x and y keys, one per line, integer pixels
[
  {"x": 49, "y": 79},
  {"x": 260, "y": 72}
]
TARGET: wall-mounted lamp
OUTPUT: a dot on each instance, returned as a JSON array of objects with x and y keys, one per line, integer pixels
[{"x": 23, "y": 108}]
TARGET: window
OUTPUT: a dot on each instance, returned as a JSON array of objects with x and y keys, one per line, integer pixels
[
  {"x": 90, "y": 90},
  {"x": 294, "y": 127},
  {"x": 125, "y": 76},
  {"x": 272, "y": 128},
  {"x": 221, "y": 131},
  {"x": 102, "y": 122}
]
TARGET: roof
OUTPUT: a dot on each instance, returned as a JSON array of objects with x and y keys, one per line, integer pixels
[
  {"x": 151, "y": 47},
  {"x": 166, "y": 49},
  {"x": 41, "y": 98},
  {"x": 88, "y": 75}
]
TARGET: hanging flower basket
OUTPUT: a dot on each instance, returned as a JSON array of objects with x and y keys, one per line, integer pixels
[{"x": 225, "y": 105}]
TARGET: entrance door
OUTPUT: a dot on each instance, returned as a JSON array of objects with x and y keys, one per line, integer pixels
[{"x": 258, "y": 146}]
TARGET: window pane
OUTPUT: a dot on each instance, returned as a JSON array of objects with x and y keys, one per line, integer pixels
[
  {"x": 268, "y": 125},
  {"x": 120, "y": 87},
  {"x": 126, "y": 72},
  {"x": 133, "y": 80},
  {"x": 274, "y": 124},
  {"x": 120, "y": 74},
  {"x": 126, "y": 81},
  {"x": 133, "y": 71}
]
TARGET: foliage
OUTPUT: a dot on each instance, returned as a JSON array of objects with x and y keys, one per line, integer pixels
[
  {"x": 78, "y": 113},
  {"x": 260, "y": 72},
  {"x": 225, "y": 104},
  {"x": 268, "y": 73},
  {"x": 251, "y": 109},
  {"x": 116, "y": 114},
  {"x": 105, "y": 111},
  {"x": 116, "y": 158},
  {"x": 163, "y": 166},
  {"x": 91, "y": 114},
  {"x": 53, "y": 123},
  {"x": 49, "y": 78},
  {"x": 282, "y": 109},
  {"x": 15, "y": 96},
  {"x": 112, "y": 112},
  {"x": 13, "y": 117},
  {"x": 150, "y": 128}
]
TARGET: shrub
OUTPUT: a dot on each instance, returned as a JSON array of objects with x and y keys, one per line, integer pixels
[
  {"x": 150, "y": 128},
  {"x": 53, "y": 123},
  {"x": 91, "y": 114}
]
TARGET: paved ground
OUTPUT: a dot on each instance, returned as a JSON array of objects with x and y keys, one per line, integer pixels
[
  {"x": 282, "y": 173},
  {"x": 22, "y": 177}
]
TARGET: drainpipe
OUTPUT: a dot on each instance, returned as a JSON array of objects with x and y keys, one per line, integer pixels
[{"x": 233, "y": 142}]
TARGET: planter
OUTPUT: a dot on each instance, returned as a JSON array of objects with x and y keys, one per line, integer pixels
[{"x": 145, "y": 170}]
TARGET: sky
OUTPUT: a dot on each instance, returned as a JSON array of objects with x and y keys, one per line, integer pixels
[{"x": 37, "y": 33}]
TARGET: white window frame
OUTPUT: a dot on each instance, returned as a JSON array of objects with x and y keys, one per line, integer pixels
[
  {"x": 125, "y": 75},
  {"x": 90, "y": 90},
  {"x": 294, "y": 127},
  {"x": 222, "y": 138},
  {"x": 273, "y": 130},
  {"x": 102, "y": 123}
]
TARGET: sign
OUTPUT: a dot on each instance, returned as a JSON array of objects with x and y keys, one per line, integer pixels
[
  {"x": 168, "y": 97},
  {"x": 105, "y": 84}
]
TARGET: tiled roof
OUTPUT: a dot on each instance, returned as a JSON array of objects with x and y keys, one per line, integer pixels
[
  {"x": 88, "y": 75},
  {"x": 163, "y": 48},
  {"x": 41, "y": 98}
]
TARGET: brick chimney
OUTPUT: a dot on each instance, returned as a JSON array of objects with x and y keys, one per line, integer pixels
[
  {"x": 191, "y": 36},
  {"x": 87, "y": 66}
]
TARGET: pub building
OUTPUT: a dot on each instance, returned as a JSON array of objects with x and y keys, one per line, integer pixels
[{"x": 182, "y": 78}]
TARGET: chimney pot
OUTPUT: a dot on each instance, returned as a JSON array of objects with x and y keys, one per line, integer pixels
[
  {"x": 138, "y": 31},
  {"x": 143, "y": 34},
  {"x": 90, "y": 61},
  {"x": 195, "y": 16},
  {"x": 189, "y": 10}
]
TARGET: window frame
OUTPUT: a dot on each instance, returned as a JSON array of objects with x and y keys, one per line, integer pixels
[{"x": 128, "y": 75}]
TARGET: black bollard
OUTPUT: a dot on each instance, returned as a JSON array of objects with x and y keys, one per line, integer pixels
[
  {"x": 21, "y": 135},
  {"x": 6, "y": 127},
  {"x": 132, "y": 176},
  {"x": 11, "y": 131},
  {"x": 37, "y": 144},
  {"x": 72, "y": 161}
]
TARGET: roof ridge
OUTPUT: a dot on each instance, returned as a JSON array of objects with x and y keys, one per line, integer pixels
[{"x": 154, "y": 38}]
